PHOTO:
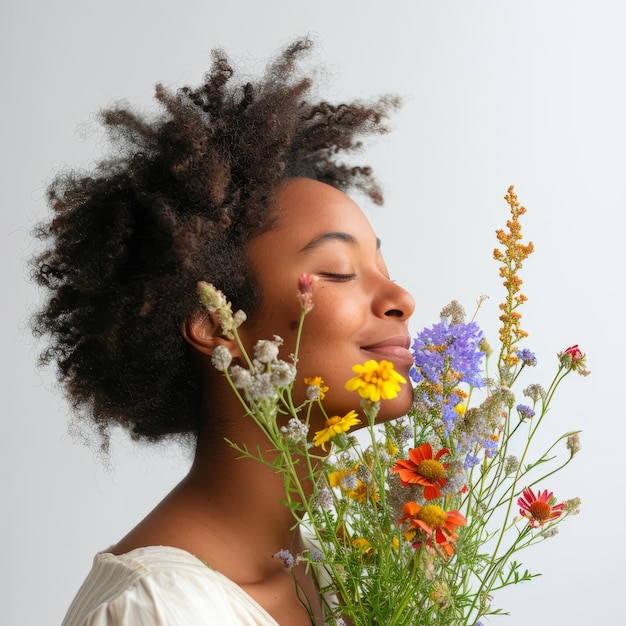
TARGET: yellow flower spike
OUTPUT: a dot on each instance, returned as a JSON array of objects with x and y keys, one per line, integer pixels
[
  {"x": 511, "y": 257},
  {"x": 376, "y": 380},
  {"x": 334, "y": 426}
]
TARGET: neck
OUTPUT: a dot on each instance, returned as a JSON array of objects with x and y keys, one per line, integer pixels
[
  {"x": 228, "y": 513},
  {"x": 238, "y": 497}
]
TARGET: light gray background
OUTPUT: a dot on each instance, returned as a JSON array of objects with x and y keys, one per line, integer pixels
[{"x": 497, "y": 92}]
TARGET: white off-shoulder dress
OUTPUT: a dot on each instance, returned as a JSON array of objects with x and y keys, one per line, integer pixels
[{"x": 161, "y": 586}]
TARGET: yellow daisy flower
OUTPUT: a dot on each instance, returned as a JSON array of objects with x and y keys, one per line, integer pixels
[
  {"x": 334, "y": 426},
  {"x": 375, "y": 380},
  {"x": 365, "y": 547},
  {"x": 335, "y": 478}
]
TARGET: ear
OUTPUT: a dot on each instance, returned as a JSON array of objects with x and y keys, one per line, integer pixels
[{"x": 201, "y": 330}]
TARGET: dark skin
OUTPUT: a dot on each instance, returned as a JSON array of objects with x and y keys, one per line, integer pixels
[{"x": 227, "y": 511}]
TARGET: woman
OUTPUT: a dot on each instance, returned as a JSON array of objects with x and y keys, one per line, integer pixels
[{"x": 240, "y": 186}]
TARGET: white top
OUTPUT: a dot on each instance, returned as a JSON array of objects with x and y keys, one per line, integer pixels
[{"x": 161, "y": 586}]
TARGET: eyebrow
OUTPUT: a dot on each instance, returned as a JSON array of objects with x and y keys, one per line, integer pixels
[{"x": 334, "y": 236}]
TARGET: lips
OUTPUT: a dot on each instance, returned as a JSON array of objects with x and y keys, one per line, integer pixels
[{"x": 394, "y": 349}]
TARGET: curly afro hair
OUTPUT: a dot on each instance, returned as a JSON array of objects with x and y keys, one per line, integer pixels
[{"x": 177, "y": 203}]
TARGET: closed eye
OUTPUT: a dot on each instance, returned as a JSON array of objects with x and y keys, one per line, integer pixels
[{"x": 340, "y": 278}]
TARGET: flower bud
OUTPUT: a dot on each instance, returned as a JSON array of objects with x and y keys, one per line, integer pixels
[{"x": 305, "y": 290}]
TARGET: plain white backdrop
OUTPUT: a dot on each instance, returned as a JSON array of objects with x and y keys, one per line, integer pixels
[{"x": 496, "y": 93}]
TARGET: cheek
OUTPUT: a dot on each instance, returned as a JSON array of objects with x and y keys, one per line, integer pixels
[
  {"x": 281, "y": 320},
  {"x": 330, "y": 343},
  {"x": 336, "y": 316}
]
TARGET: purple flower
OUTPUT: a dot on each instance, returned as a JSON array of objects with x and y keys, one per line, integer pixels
[
  {"x": 524, "y": 411},
  {"x": 286, "y": 557},
  {"x": 443, "y": 348},
  {"x": 470, "y": 461},
  {"x": 527, "y": 357}
]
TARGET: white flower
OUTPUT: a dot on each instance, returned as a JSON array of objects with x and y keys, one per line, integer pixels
[
  {"x": 221, "y": 358},
  {"x": 214, "y": 301},
  {"x": 573, "y": 443},
  {"x": 349, "y": 481},
  {"x": 261, "y": 388},
  {"x": 296, "y": 430},
  {"x": 325, "y": 499},
  {"x": 265, "y": 351},
  {"x": 313, "y": 393},
  {"x": 241, "y": 377},
  {"x": 282, "y": 374}
]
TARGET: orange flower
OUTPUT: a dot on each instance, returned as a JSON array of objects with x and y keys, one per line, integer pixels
[
  {"x": 433, "y": 521},
  {"x": 422, "y": 469},
  {"x": 539, "y": 509},
  {"x": 334, "y": 426}
]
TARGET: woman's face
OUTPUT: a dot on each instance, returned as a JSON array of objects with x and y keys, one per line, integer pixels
[{"x": 358, "y": 313}]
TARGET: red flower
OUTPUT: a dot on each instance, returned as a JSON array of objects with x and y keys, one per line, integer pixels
[
  {"x": 422, "y": 469},
  {"x": 432, "y": 520},
  {"x": 574, "y": 359},
  {"x": 539, "y": 509},
  {"x": 574, "y": 352}
]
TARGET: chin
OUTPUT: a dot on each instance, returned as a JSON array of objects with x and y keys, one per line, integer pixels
[{"x": 398, "y": 407}]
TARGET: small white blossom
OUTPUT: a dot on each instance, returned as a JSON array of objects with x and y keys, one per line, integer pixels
[
  {"x": 221, "y": 358},
  {"x": 261, "y": 388},
  {"x": 265, "y": 351},
  {"x": 241, "y": 377},
  {"x": 535, "y": 392},
  {"x": 313, "y": 393},
  {"x": 296, "y": 430},
  {"x": 507, "y": 396},
  {"x": 239, "y": 318},
  {"x": 212, "y": 298},
  {"x": 573, "y": 444},
  {"x": 214, "y": 301},
  {"x": 349, "y": 481},
  {"x": 325, "y": 499},
  {"x": 454, "y": 311},
  {"x": 511, "y": 464},
  {"x": 572, "y": 506},
  {"x": 282, "y": 374}
]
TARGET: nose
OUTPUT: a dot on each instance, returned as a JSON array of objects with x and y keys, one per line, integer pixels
[{"x": 395, "y": 301}]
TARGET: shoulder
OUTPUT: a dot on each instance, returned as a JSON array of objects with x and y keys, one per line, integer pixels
[{"x": 160, "y": 586}]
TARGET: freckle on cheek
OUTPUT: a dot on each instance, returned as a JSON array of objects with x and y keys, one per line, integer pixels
[{"x": 293, "y": 325}]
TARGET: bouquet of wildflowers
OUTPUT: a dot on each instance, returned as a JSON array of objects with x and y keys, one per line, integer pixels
[{"x": 422, "y": 522}]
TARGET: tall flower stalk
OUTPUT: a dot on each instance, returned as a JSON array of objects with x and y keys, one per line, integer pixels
[{"x": 421, "y": 520}]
